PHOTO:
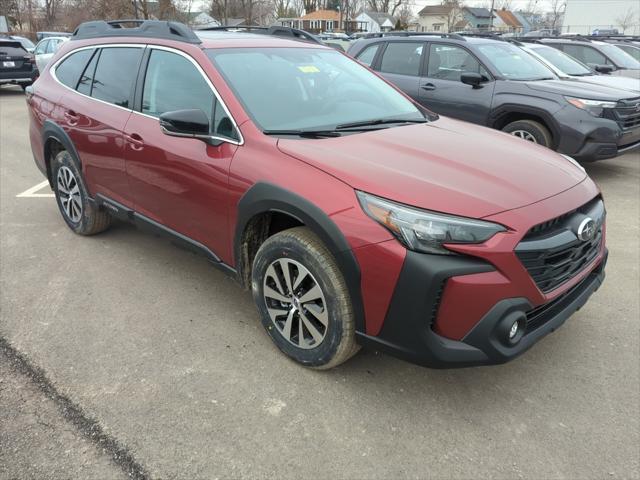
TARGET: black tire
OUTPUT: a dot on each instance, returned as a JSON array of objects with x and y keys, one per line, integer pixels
[
  {"x": 538, "y": 131},
  {"x": 91, "y": 219},
  {"x": 300, "y": 246}
]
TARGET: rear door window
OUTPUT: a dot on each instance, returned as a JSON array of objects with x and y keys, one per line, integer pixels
[
  {"x": 402, "y": 58},
  {"x": 368, "y": 54},
  {"x": 69, "y": 71},
  {"x": 52, "y": 46},
  {"x": 115, "y": 75}
]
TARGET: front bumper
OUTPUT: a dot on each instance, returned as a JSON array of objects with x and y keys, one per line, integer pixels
[
  {"x": 587, "y": 138},
  {"x": 408, "y": 331}
]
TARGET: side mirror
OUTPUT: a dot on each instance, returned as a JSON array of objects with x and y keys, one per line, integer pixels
[
  {"x": 472, "y": 78},
  {"x": 192, "y": 123},
  {"x": 603, "y": 68}
]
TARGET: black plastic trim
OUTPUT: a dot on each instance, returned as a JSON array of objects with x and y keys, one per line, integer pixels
[
  {"x": 265, "y": 197},
  {"x": 406, "y": 332},
  {"x": 145, "y": 223},
  {"x": 51, "y": 130},
  {"x": 145, "y": 29}
]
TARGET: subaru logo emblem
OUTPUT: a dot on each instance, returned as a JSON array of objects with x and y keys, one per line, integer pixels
[{"x": 587, "y": 229}]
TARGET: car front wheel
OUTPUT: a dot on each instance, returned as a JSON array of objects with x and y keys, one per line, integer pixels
[
  {"x": 303, "y": 299},
  {"x": 530, "y": 131}
]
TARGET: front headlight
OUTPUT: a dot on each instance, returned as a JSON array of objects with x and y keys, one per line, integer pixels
[
  {"x": 594, "y": 107},
  {"x": 425, "y": 231}
]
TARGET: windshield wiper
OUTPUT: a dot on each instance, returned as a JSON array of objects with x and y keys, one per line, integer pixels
[
  {"x": 304, "y": 133},
  {"x": 379, "y": 121}
]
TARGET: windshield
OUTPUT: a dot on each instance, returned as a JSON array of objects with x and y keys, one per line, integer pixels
[
  {"x": 620, "y": 58},
  {"x": 26, "y": 43},
  {"x": 308, "y": 88},
  {"x": 514, "y": 63},
  {"x": 631, "y": 50},
  {"x": 562, "y": 61}
]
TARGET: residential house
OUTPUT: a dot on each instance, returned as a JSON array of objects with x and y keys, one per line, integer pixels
[
  {"x": 375, "y": 22},
  {"x": 437, "y": 18},
  {"x": 523, "y": 18},
  {"x": 478, "y": 18},
  {"x": 201, "y": 19},
  {"x": 327, "y": 21},
  {"x": 509, "y": 22},
  {"x": 239, "y": 22}
]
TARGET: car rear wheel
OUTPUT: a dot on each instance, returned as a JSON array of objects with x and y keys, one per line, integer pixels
[
  {"x": 531, "y": 131},
  {"x": 82, "y": 216},
  {"x": 303, "y": 299}
]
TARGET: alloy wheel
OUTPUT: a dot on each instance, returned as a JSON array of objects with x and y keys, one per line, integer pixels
[
  {"x": 524, "y": 135},
  {"x": 296, "y": 303},
  {"x": 69, "y": 193}
]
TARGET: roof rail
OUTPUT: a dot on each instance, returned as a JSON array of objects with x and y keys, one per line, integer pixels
[
  {"x": 274, "y": 30},
  {"x": 143, "y": 28},
  {"x": 404, "y": 33},
  {"x": 489, "y": 35}
]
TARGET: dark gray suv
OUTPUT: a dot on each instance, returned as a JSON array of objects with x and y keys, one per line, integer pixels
[{"x": 497, "y": 84}]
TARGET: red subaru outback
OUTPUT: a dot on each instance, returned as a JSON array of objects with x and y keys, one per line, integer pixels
[{"x": 355, "y": 216}]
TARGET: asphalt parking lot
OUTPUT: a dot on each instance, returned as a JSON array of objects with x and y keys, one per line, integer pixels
[{"x": 122, "y": 354}]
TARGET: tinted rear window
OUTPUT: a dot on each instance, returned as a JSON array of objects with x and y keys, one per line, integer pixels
[
  {"x": 115, "y": 75},
  {"x": 68, "y": 72},
  {"x": 12, "y": 49}
]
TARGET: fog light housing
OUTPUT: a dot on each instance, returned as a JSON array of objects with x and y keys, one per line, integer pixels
[
  {"x": 514, "y": 330},
  {"x": 511, "y": 329}
]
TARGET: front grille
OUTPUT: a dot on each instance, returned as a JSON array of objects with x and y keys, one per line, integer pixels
[
  {"x": 551, "y": 251},
  {"x": 627, "y": 114},
  {"x": 538, "y": 316}
]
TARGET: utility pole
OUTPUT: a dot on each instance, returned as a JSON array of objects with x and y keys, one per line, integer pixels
[{"x": 493, "y": 3}]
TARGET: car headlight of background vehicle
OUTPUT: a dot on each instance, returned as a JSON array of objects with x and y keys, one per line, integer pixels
[
  {"x": 425, "y": 231},
  {"x": 594, "y": 107}
]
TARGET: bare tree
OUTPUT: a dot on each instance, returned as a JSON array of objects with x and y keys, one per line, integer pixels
[
  {"x": 626, "y": 19},
  {"x": 557, "y": 11}
]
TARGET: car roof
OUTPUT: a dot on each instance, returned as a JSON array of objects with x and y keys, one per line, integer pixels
[
  {"x": 227, "y": 39},
  {"x": 464, "y": 39}
]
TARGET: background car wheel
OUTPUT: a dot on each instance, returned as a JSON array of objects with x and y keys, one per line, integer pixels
[
  {"x": 531, "y": 131},
  {"x": 82, "y": 215},
  {"x": 303, "y": 299}
]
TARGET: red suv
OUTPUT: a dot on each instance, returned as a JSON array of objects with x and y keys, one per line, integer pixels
[{"x": 355, "y": 216}]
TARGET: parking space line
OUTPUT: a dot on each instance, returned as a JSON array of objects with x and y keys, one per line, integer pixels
[{"x": 31, "y": 192}]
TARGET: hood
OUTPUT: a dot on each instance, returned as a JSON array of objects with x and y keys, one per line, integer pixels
[
  {"x": 591, "y": 91},
  {"x": 447, "y": 166},
  {"x": 623, "y": 83}
]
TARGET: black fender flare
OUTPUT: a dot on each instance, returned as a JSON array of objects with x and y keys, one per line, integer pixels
[
  {"x": 266, "y": 197},
  {"x": 508, "y": 108},
  {"x": 51, "y": 130}
]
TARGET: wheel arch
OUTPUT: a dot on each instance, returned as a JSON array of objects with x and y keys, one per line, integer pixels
[
  {"x": 507, "y": 114},
  {"x": 54, "y": 140},
  {"x": 266, "y": 203}
]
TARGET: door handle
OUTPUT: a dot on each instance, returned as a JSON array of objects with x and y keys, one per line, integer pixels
[
  {"x": 72, "y": 117},
  {"x": 428, "y": 86},
  {"x": 135, "y": 141}
]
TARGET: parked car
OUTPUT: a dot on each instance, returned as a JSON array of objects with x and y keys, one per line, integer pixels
[
  {"x": 605, "y": 31},
  {"x": 41, "y": 35},
  {"x": 496, "y": 84},
  {"x": 593, "y": 53},
  {"x": 45, "y": 49},
  {"x": 27, "y": 44},
  {"x": 629, "y": 45},
  {"x": 567, "y": 67},
  {"x": 17, "y": 66},
  {"x": 355, "y": 216}
]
